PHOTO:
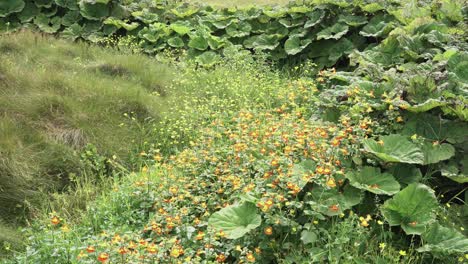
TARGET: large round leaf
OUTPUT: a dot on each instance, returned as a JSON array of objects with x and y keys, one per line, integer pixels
[
  {"x": 240, "y": 29},
  {"x": 352, "y": 20},
  {"x": 372, "y": 180},
  {"x": 181, "y": 27},
  {"x": 29, "y": 11},
  {"x": 236, "y": 220},
  {"x": 176, "y": 42},
  {"x": 10, "y": 6},
  {"x": 434, "y": 153},
  {"x": 198, "y": 41},
  {"x": 457, "y": 170},
  {"x": 262, "y": 42},
  {"x": 295, "y": 45},
  {"x": 412, "y": 208},
  {"x": 378, "y": 26},
  {"x": 48, "y": 25},
  {"x": 334, "y": 32},
  {"x": 405, "y": 174},
  {"x": 44, "y": 3},
  {"x": 333, "y": 201},
  {"x": 439, "y": 239},
  {"x": 95, "y": 11},
  {"x": 71, "y": 17},
  {"x": 395, "y": 148},
  {"x": 68, "y": 4},
  {"x": 314, "y": 18}
]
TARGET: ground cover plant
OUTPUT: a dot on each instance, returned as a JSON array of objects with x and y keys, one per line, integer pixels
[{"x": 356, "y": 155}]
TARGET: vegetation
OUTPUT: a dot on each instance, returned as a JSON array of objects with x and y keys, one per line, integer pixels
[{"x": 338, "y": 138}]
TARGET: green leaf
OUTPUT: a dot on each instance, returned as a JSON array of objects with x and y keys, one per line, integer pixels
[
  {"x": 440, "y": 239},
  {"x": 121, "y": 24},
  {"x": 301, "y": 171},
  {"x": 314, "y": 18},
  {"x": 181, "y": 27},
  {"x": 456, "y": 170},
  {"x": 30, "y": 10},
  {"x": 48, "y": 25},
  {"x": 208, "y": 58},
  {"x": 71, "y": 17},
  {"x": 334, "y": 32},
  {"x": 424, "y": 107},
  {"x": 372, "y": 180},
  {"x": 295, "y": 45},
  {"x": 334, "y": 201},
  {"x": 10, "y": 6},
  {"x": 44, "y": 3},
  {"x": 412, "y": 208},
  {"x": 262, "y": 42},
  {"x": 72, "y": 32},
  {"x": 146, "y": 17},
  {"x": 198, "y": 41},
  {"x": 96, "y": 11},
  {"x": 395, "y": 148},
  {"x": 436, "y": 153},
  {"x": 458, "y": 64},
  {"x": 236, "y": 220},
  {"x": 68, "y": 4},
  {"x": 405, "y": 173},
  {"x": 176, "y": 42},
  {"x": 240, "y": 29},
  {"x": 352, "y": 20},
  {"x": 378, "y": 26},
  {"x": 308, "y": 237},
  {"x": 184, "y": 11}
]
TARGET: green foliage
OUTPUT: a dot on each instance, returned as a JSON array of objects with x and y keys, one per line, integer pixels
[
  {"x": 236, "y": 220},
  {"x": 395, "y": 148},
  {"x": 372, "y": 180},
  {"x": 412, "y": 208}
]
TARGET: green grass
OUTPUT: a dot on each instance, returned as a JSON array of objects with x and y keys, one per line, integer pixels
[{"x": 57, "y": 97}]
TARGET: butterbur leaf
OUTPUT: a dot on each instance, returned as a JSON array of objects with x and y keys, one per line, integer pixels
[
  {"x": 395, "y": 148},
  {"x": 181, "y": 27},
  {"x": 353, "y": 21},
  {"x": 48, "y": 25},
  {"x": 68, "y": 4},
  {"x": 434, "y": 153},
  {"x": 30, "y": 10},
  {"x": 95, "y": 11},
  {"x": 405, "y": 174},
  {"x": 240, "y": 29},
  {"x": 198, "y": 42},
  {"x": 301, "y": 171},
  {"x": 334, "y": 201},
  {"x": 44, "y": 3},
  {"x": 308, "y": 237},
  {"x": 440, "y": 239},
  {"x": 295, "y": 45},
  {"x": 70, "y": 18},
  {"x": 458, "y": 64},
  {"x": 236, "y": 220},
  {"x": 208, "y": 58},
  {"x": 334, "y": 32},
  {"x": 314, "y": 18},
  {"x": 425, "y": 106},
  {"x": 121, "y": 24},
  {"x": 176, "y": 42},
  {"x": 10, "y": 6},
  {"x": 378, "y": 26},
  {"x": 374, "y": 181},
  {"x": 412, "y": 208},
  {"x": 72, "y": 32},
  {"x": 262, "y": 42},
  {"x": 456, "y": 170}
]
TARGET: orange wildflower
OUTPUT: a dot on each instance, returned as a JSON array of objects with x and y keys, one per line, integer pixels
[{"x": 103, "y": 257}]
